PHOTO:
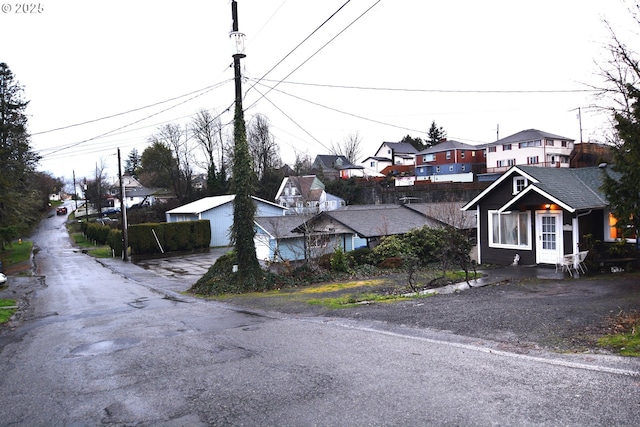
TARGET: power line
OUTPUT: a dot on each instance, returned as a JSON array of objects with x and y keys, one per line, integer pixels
[
  {"x": 208, "y": 88},
  {"x": 343, "y": 112},
  {"x": 432, "y": 90}
]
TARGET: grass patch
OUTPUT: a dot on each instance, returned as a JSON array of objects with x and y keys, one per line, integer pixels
[
  {"x": 348, "y": 301},
  {"x": 6, "y": 313},
  {"x": 626, "y": 337},
  {"x": 16, "y": 253},
  {"x": 333, "y": 287},
  {"x": 101, "y": 252}
]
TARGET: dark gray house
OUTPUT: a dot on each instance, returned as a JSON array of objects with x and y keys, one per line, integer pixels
[{"x": 541, "y": 214}]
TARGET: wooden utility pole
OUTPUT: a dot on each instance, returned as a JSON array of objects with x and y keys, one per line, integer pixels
[{"x": 123, "y": 213}]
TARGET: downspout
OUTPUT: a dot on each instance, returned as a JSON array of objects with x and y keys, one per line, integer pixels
[
  {"x": 575, "y": 236},
  {"x": 478, "y": 234}
]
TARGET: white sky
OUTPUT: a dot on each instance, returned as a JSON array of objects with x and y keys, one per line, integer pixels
[{"x": 84, "y": 60}]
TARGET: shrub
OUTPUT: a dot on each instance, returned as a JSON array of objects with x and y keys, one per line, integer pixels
[
  {"x": 339, "y": 261},
  {"x": 389, "y": 247},
  {"x": 392, "y": 263},
  {"x": 361, "y": 256},
  {"x": 115, "y": 241}
]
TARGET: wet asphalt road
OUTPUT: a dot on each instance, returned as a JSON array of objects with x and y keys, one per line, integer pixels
[{"x": 107, "y": 347}]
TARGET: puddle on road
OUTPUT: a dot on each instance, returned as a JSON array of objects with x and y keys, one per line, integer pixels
[{"x": 104, "y": 347}]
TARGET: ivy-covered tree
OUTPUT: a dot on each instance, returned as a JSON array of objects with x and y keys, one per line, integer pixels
[
  {"x": 623, "y": 188},
  {"x": 17, "y": 160},
  {"x": 249, "y": 274}
]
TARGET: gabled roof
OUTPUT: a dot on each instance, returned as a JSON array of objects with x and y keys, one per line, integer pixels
[
  {"x": 308, "y": 187},
  {"x": 576, "y": 189},
  {"x": 208, "y": 203},
  {"x": 331, "y": 161},
  {"x": 280, "y": 227},
  {"x": 399, "y": 148},
  {"x": 448, "y": 146},
  {"x": 379, "y": 220},
  {"x": 528, "y": 135},
  {"x": 446, "y": 212}
]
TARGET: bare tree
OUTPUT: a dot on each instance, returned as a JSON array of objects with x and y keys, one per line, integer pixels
[
  {"x": 179, "y": 170},
  {"x": 350, "y": 147},
  {"x": 207, "y": 132},
  {"x": 262, "y": 145}
]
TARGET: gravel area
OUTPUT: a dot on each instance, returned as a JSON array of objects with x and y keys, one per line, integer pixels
[{"x": 565, "y": 315}]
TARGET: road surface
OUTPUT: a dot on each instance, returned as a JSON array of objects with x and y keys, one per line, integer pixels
[{"x": 100, "y": 349}]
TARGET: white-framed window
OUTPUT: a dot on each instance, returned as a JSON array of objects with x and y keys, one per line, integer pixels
[
  {"x": 437, "y": 169},
  {"x": 511, "y": 162},
  {"x": 564, "y": 144},
  {"x": 519, "y": 184},
  {"x": 500, "y": 163},
  {"x": 506, "y": 147},
  {"x": 549, "y": 142},
  {"x": 372, "y": 164},
  {"x": 532, "y": 160},
  {"x": 450, "y": 168},
  {"x": 510, "y": 230},
  {"x": 463, "y": 168},
  {"x": 448, "y": 155},
  {"x": 536, "y": 143},
  {"x": 462, "y": 154}
]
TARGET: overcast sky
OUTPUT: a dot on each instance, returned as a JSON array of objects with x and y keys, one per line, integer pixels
[{"x": 480, "y": 69}]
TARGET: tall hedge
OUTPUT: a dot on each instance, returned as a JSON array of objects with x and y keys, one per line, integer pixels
[
  {"x": 173, "y": 236},
  {"x": 115, "y": 241}
]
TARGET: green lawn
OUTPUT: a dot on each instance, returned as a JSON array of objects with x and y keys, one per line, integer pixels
[{"x": 6, "y": 313}]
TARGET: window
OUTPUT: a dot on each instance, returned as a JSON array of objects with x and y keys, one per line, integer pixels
[
  {"x": 616, "y": 233},
  {"x": 509, "y": 230},
  {"x": 319, "y": 241},
  {"x": 548, "y": 142},
  {"x": 564, "y": 144},
  {"x": 519, "y": 184},
  {"x": 511, "y": 162},
  {"x": 473, "y": 154},
  {"x": 527, "y": 144},
  {"x": 506, "y": 147},
  {"x": 451, "y": 168},
  {"x": 437, "y": 169},
  {"x": 372, "y": 164},
  {"x": 532, "y": 160},
  {"x": 448, "y": 155},
  {"x": 492, "y": 149},
  {"x": 500, "y": 163},
  {"x": 462, "y": 154},
  {"x": 463, "y": 168}
]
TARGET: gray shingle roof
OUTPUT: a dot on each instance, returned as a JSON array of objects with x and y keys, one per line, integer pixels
[
  {"x": 528, "y": 135},
  {"x": 448, "y": 145},
  {"x": 579, "y": 188},
  {"x": 380, "y": 220}
]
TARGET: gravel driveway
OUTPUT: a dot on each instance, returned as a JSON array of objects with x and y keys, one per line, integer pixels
[{"x": 559, "y": 315}]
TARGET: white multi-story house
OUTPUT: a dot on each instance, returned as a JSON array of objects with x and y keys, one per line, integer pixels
[
  {"x": 305, "y": 194},
  {"x": 391, "y": 153},
  {"x": 529, "y": 147}
]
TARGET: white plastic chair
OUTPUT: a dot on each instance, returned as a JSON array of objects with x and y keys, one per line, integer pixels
[
  {"x": 582, "y": 255},
  {"x": 566, "y": 262}
]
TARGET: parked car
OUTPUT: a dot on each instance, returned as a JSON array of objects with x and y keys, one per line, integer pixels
[
  {"x": 61, "y": 210},
  {"x": 3, "y": 279}
]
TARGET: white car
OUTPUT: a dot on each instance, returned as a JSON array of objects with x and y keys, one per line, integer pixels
[{"x": 3, "y": 279}]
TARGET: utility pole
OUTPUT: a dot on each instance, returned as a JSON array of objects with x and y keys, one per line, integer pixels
[
  {"x": 75, "y": 190},
  {"x": 249, "y": 273},
  {"x": 123, "y": 213}
]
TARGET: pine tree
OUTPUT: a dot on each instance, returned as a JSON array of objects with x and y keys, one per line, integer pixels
[
  {"x": 249, "y": 273},
  {"x": 17, "y": 161},
  {"x": 623, "y": 189}
]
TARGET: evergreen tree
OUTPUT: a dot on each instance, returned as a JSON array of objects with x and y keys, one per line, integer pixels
[
  {"x": 249, "y": 275},
  {"x": 436, "y": 134},
  {"x": 417, "y": 143},
  {"x": 132, "y": 165},
  {"x": 17, "y": 161},
  {"x": 623, "y": 189}
]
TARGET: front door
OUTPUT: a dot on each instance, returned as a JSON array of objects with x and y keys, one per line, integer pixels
[{"x": 548, "y": 237}]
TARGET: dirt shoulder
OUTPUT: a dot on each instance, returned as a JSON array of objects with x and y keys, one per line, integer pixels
[{"x": 560, "y": 315}]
